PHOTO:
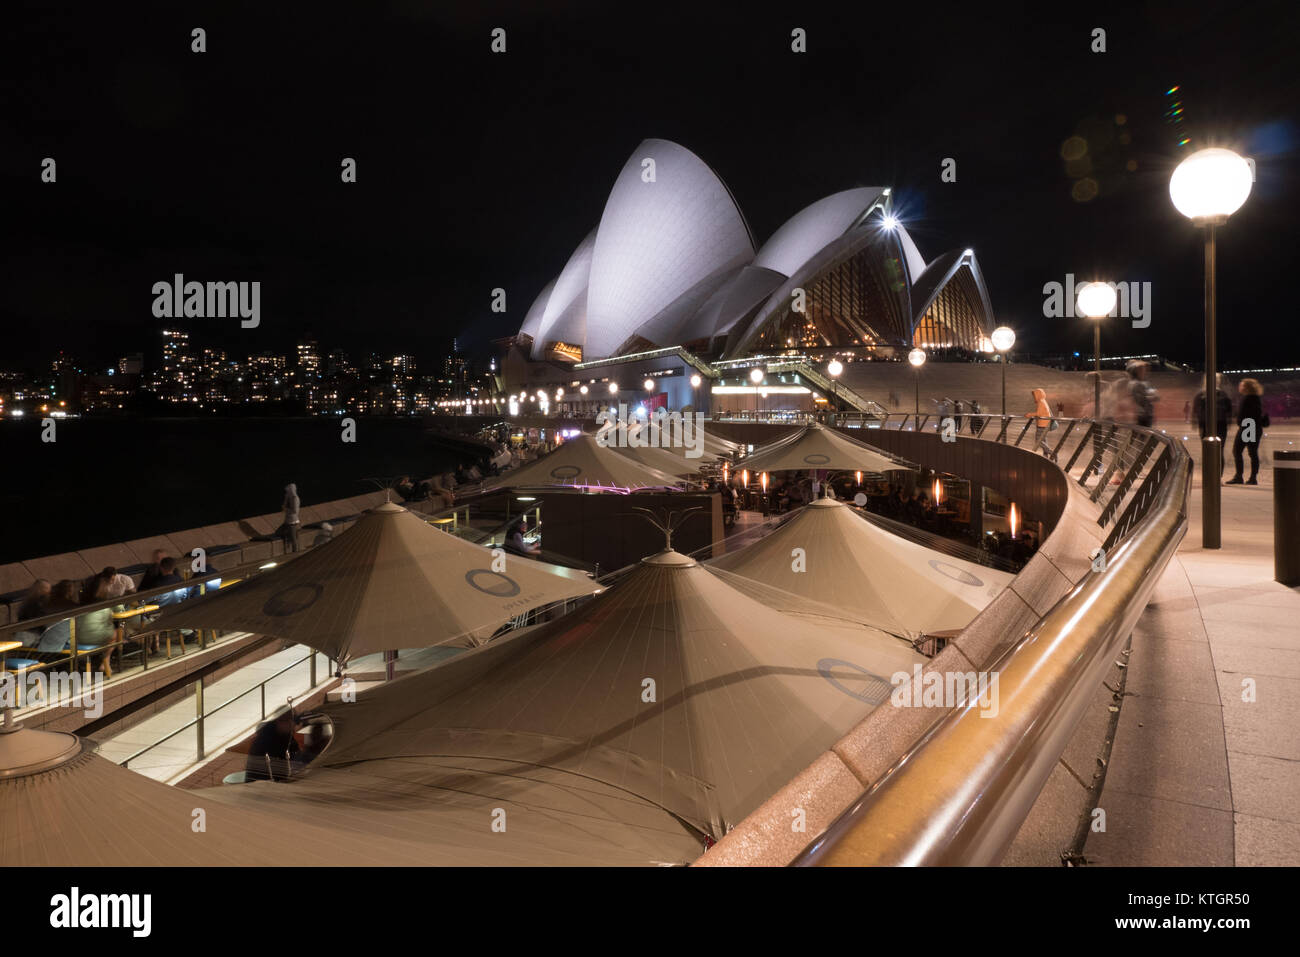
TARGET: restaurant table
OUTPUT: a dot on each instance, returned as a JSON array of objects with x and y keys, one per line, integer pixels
[{"x": 5, "y": 648}]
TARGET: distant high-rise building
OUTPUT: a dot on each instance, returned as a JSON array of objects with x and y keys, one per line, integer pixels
[{"x": 309, "y": 364}]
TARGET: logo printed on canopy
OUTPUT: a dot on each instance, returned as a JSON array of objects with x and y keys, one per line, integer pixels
[
  {"x": 879, "y": 687},
  {"x": 955, "y": 573},
  {"x": 817, "y": 458},
  {"x": 498, "y": 585},
  {"x": 291, "y": 600},
  {"x": 565, "y": 471}
]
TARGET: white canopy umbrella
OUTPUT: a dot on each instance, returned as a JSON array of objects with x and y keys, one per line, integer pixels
[
  {"x": 633, "y": 440},
  {"x": 582, "y": 461},
  {"x": 390, "y": 581},
  {"x": 817, "y": 447},
  {"x": 870, "y": 574},
  {"x": 63, "y": 805},
  {"x": 673, "y": 688}
]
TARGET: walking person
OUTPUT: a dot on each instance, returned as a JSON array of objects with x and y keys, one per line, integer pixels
[
  {"x": 292, "y": 522},
  {"x": 957, "y": 410},
  {"x": 976, "y": 420},
  {"x": 1222, "y": 413},
  {"x": 1043, "y": 423},
  {"x": 1143, "y": 395},
  {"x": 1251, "y": 423}
]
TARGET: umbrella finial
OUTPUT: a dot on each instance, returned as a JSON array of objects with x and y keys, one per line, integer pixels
[{"x": 667, "y": 520}]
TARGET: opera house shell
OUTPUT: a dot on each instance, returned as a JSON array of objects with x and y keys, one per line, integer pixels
[{"x": 673, "y": 263}]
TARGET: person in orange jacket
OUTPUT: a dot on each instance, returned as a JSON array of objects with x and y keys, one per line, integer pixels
[{"x": 1042, "y": 416}]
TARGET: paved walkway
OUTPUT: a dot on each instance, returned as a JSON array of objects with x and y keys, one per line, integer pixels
[{"x": 1199, "y": 773}]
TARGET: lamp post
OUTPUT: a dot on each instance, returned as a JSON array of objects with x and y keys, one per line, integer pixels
[
  {"x": 833, "y": 369},
  {"x": 1207, "y": 188},
  {"x": 695, "y": 384},
  {"x": 756, "y": 376},
  {"x": 1096, "y": 300},
  {"x": 917, "y": 358},
  {"x": 1004, "y": 337}
]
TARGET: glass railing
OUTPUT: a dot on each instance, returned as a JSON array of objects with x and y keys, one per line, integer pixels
[{"x": 239, "y": 714}]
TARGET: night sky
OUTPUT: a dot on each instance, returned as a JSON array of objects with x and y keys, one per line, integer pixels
[{"x": 478, "y": 170}]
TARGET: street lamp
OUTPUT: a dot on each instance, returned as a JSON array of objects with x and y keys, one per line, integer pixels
[
  {"x": 917, "y": 358},
  {"x": 649, "y": 385},
  {"x": 1003, "y": 338},
  {"x": 613, "y": 388},
  {"x": 1207, "y": 188},
  {"x": 834, "y": 368},
  {"x": 1096, "y": 300},
  {"x": 756, "y": 376},
  {"x": 695, "y": 384}
]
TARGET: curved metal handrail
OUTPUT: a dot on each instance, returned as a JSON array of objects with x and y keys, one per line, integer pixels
[{"x": 961, "y": 793}]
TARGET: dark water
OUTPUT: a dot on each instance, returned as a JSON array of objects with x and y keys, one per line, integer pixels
[{"x": 110, "y": 480}]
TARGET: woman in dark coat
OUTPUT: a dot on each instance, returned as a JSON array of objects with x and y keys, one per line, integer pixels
[{"x": 1251, "y": 422}]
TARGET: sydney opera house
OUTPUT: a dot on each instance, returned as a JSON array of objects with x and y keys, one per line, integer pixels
[{"x": 673, "y": 263}]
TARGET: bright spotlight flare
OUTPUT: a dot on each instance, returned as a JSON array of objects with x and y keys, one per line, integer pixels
[
  {"x": 1096, "y": 300},
  {"x": 1210, "y": 185}
]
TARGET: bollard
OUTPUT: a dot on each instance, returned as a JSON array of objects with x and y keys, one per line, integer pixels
[{"x": 1286, "y": 517}]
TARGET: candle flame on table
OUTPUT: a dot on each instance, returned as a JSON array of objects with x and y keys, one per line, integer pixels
[
  {"x": 1014, "y": 519},
  {"x": 763, "y": 479},
  {"x": 859, "y": 474},
  {"x": 938, "y": 491}
]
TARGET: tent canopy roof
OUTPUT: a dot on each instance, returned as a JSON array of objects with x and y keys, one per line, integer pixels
[
  {"x": 390, "y": 581},
  {"x": 583, "y": 461},
  {"x": 672, "y": 686},
  {"x": 870, "y": 574},
  {"x": 817, "y": 447}
]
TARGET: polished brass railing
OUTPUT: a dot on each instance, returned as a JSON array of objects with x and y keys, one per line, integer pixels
[{"x": 960, "y": 794}]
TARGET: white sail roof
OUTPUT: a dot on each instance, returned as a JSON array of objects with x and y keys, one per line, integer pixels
[
  {"x": 657, "y": 239},
  {"x": 565, "y": 317},
  {"x": 815, "y": 227}
]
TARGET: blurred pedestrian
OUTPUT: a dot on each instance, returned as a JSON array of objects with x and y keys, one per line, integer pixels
[
  {"x": 292, "y": 522},
  {"x": 1222, "y": 413},
  {"x": 1043, "y": 422},
  {"x": 1252, "y": 420}
]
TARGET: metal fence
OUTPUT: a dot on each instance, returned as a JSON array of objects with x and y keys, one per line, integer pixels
[{"x": 960, "y": 794}]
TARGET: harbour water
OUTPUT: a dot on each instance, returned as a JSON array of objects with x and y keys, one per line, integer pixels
[{"x": 110, "y": 480}]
